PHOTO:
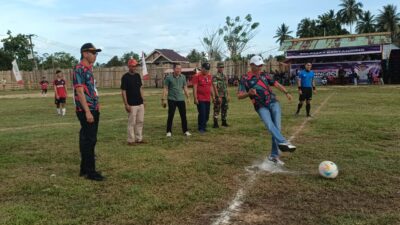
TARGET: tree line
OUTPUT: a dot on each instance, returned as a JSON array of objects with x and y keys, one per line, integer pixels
[
  {"x": 350, "y": 13},
  {"x": 20, "y": 48}
]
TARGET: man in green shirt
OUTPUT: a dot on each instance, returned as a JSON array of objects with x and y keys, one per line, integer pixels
[
  {"x": 220, "y": 86},
  {"x": 173, "y": 86}
]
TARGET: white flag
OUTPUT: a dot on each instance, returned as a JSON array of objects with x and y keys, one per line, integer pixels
[
  {"x": 144, "y": 68},
  {"x": 16, "y": 72}
]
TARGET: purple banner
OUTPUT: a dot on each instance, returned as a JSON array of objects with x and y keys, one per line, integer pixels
[
  {"x": 367, "y": 71},
  {"x": 374, "y": 49}
]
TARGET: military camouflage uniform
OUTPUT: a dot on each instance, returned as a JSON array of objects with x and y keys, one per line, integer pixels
[{"x": 221, "y": 103}]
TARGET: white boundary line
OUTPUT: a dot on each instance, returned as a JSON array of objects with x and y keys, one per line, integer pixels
[{"x": 235, "y": 204}]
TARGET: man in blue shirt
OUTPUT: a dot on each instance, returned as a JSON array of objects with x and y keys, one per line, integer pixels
[{"x": 306, "y": 86}]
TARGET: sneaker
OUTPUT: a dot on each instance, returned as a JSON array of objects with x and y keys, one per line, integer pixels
[
  {"x": 82, "y": 173},
  {"x": 309, "y": 116},
  {"x": 286, "y": 147},
  {"x": 169, "y": 134},
  {"x": 140, "y": 142},
  {"x": 131, "y": 143},
  {"x": 187, "y": 134},
  {"x": 96, "y": 176},
  {"x": 276, "y": 160}
]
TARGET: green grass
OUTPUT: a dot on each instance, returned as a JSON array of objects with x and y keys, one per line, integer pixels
[{"x": 190, "y": 180}]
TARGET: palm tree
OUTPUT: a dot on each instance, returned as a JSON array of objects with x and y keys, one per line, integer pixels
[
  {"x": 328, "y": 24},
  {"x": 366, "y": 23},
  {"x": 351, "y": 10},
  {"x": 388, "y": 20},
  {"x": 282, "y": 33},
  {"x": 307, "y": 28}
]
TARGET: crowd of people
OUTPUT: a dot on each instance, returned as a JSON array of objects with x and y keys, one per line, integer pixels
[{"x": 256, "y": 85}]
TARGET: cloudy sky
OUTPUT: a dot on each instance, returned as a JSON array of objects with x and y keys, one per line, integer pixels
[{"x": 121, "y": 26}]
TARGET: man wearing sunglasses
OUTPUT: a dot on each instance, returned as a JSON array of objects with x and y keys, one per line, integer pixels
[
  {"x": 87, "y": 110},
  {"x": 257, "y": 86}
]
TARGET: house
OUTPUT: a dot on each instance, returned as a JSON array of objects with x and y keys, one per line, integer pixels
[{"x": 165, "y": 56}]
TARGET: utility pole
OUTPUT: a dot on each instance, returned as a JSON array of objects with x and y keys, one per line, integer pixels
[
  {"x": 33, "y": 56},
  {"x": 34, "y": 60}
]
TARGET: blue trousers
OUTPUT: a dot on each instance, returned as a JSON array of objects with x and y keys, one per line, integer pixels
[
  {"x": 203, "y": 108},
  {"x": 271, "y": 117}
]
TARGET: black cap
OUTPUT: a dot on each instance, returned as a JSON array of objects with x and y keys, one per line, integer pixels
[
  {"x": 89, "y": 47},
  {"x": 206, "y": 65}
]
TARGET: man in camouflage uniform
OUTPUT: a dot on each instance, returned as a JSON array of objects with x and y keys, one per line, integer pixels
[{"x": 220, "y": 86}]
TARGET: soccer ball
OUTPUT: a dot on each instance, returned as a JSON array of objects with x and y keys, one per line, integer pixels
[{"x": 328, "y": 169}]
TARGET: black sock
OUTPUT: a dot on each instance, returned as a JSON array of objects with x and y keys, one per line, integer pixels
[
  {"x": 308, "y": 107},
  {"x": 299, "y": 107}
]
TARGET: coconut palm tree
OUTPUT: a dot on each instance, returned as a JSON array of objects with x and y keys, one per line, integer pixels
[
  {"x": 350, "y": 12},
  {"x": 328, "y": 24},
  {"x": 366, "y": 23},
  {"x": 388, "y": 20},
  {"x": 282, "y": 33},
  {"x": 307, "y": 28}
]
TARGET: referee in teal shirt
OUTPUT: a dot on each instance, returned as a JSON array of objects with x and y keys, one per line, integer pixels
[{"x": 306, "y": 86}]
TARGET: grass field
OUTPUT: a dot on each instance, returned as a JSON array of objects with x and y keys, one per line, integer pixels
[{"x": 191, "y": 180}]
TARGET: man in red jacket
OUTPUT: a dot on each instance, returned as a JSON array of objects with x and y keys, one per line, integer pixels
[{"x": 202, "y": 92}]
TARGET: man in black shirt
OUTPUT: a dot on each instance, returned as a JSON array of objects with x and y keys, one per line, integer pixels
[{"x": 132, "y": 95}]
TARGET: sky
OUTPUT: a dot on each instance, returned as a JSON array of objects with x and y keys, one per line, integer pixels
[{"x": 121, "y": 26}]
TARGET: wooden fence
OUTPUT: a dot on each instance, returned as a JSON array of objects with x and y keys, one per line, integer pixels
[{"x": 111, "y": 77}]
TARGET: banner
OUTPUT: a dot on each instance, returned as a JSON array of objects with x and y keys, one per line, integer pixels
[
  {"x": 144, "y": 68},
  {"x": 365, "y": 70},
  {"x": 16, "y": 72},
  {"x": 374, "y": 49}
]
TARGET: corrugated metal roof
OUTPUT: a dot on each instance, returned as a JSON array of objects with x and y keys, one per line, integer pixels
[{"x": 340, "y": 41}]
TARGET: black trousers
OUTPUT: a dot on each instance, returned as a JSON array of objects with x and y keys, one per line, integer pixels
[
  {"x": 171, "y": 112},
  {"x": 87, "y": 141}
]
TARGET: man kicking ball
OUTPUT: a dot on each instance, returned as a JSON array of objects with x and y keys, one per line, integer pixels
[{"x": 256, "y": 86}]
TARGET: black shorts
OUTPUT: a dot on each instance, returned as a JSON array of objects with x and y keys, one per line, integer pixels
[
  {"x": 306, "y": 94},
  {"x": 60, "y": 101}
]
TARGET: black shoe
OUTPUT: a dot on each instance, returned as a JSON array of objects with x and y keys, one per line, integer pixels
[
  {"x": 216, "y": 125},
  {"x": 224, "y": 124},
  {"x": 309, "y": 116},
  {"x": 82, "y": 174},
  {"x": 286, "y": 147},
  {"x": 95, "y": 176}
]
